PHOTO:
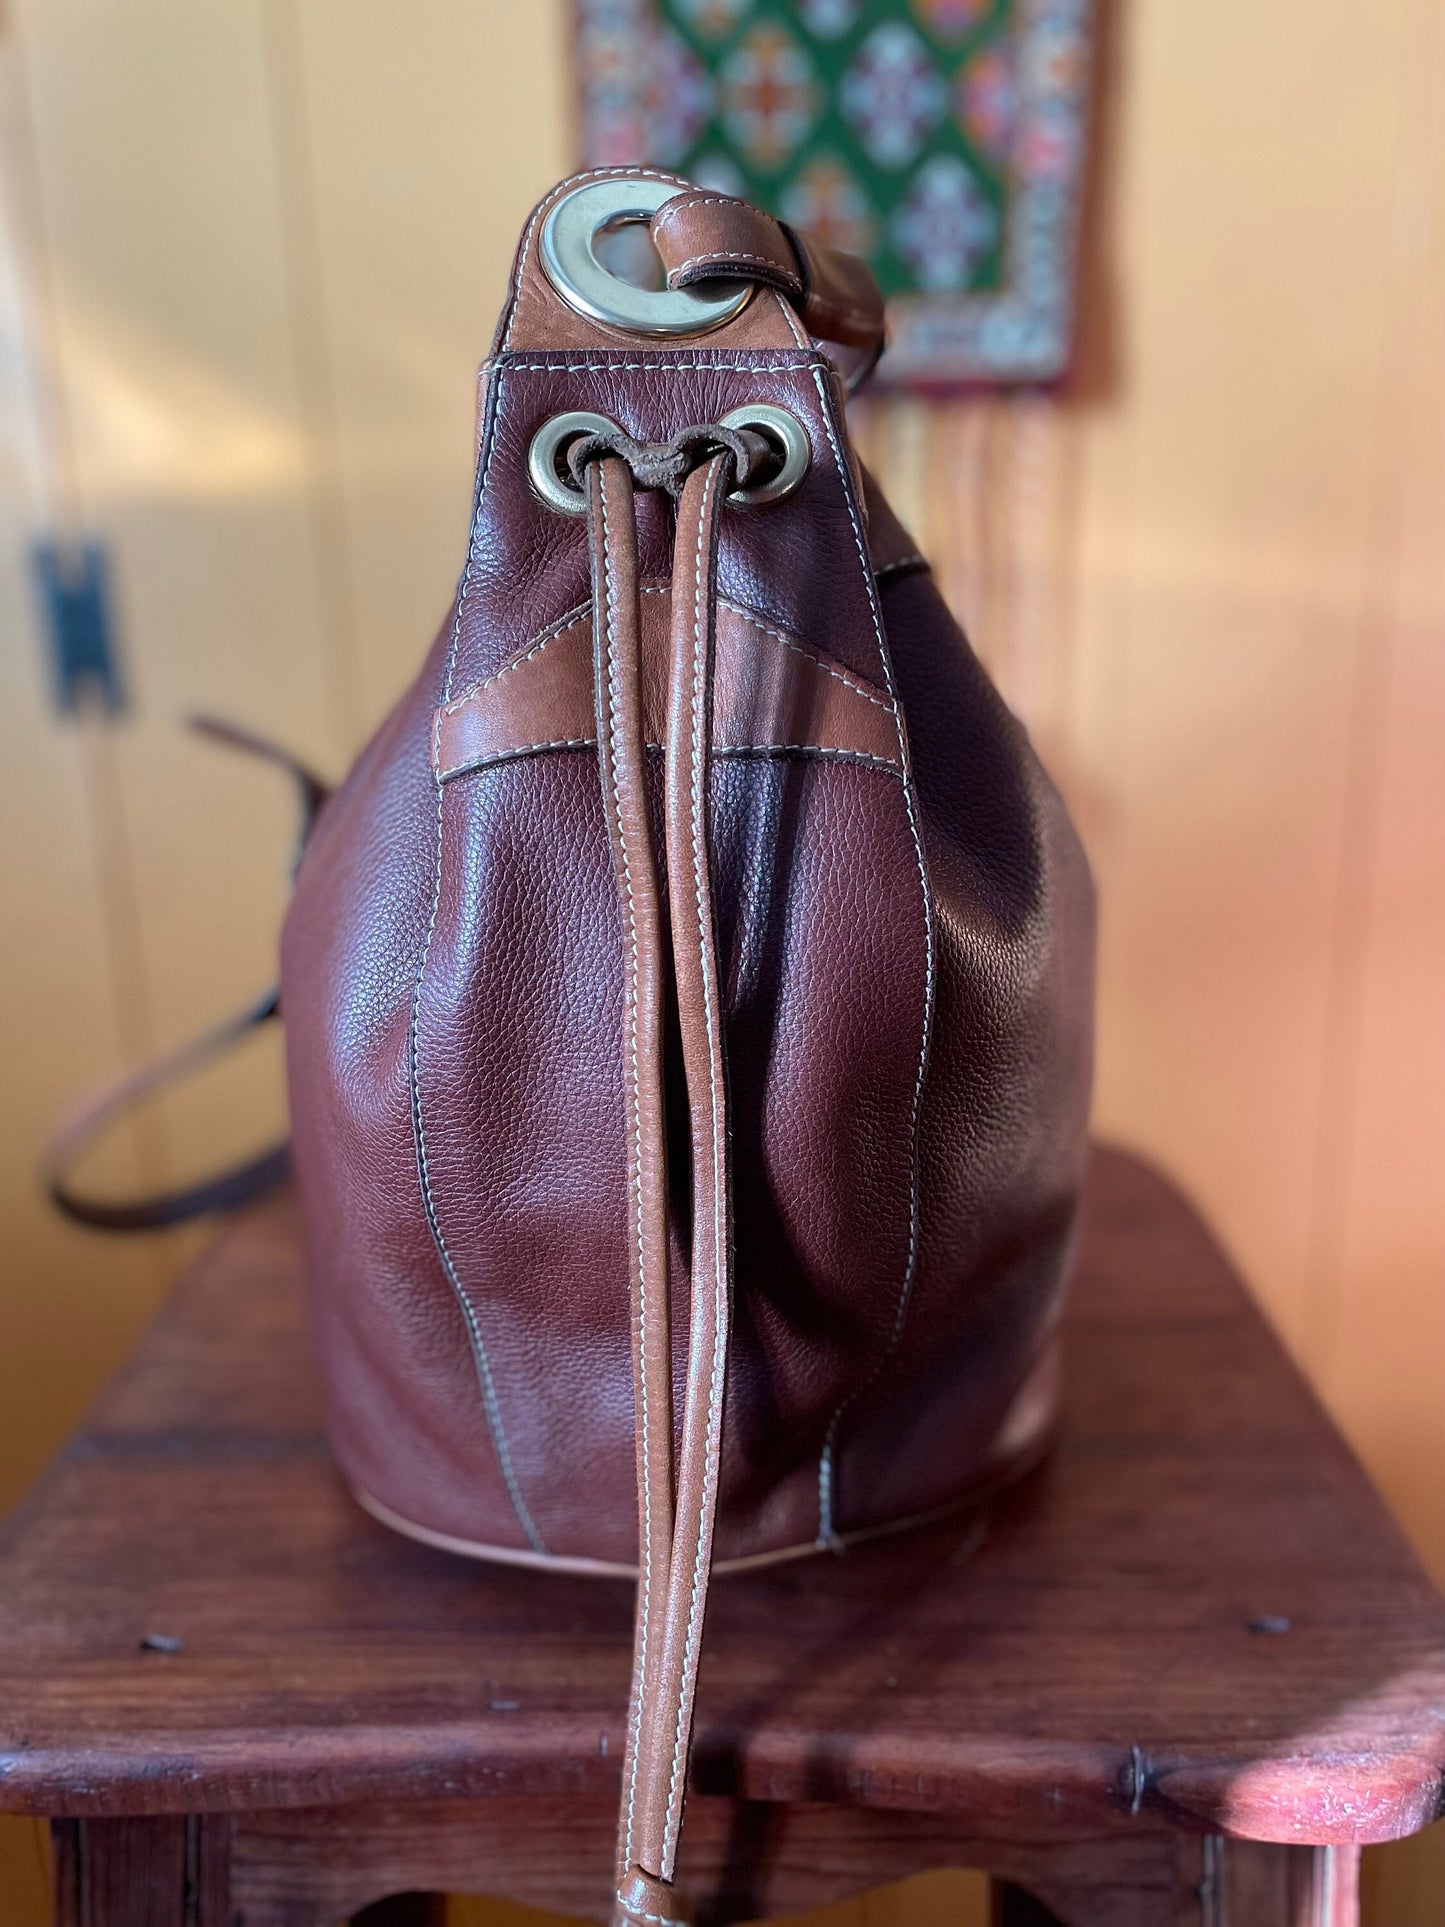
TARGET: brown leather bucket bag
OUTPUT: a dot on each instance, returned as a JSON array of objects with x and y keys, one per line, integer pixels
[{"x": 688, "y": 993}]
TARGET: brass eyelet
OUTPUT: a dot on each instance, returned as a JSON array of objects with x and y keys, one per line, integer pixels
[
  {"x": 548, "y": 443},
  {"x": 784, "y": 429}
]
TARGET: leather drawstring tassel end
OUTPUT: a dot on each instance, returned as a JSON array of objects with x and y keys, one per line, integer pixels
[{"x": 645, "y": 1901}]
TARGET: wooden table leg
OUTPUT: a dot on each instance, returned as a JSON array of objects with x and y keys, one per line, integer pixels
[
  {"x": 1248, "y": 1880},
  {"x": 175, "y": 1872},
  {"x": 168, "y": 1872},
  {"x": 120, "y": 1873},
  {"x": 1219, "y": 1883}
]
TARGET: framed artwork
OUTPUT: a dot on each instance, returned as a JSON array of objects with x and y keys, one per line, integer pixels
[{"x": 944, "y": 140}]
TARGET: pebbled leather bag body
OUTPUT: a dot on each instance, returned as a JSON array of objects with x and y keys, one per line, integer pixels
[{"x": 688, "y": 993}]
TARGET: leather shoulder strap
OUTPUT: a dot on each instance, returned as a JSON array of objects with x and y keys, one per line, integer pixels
[
  {"x": 237, "y": 1184},
  {"x": 223, "y": 1191}
]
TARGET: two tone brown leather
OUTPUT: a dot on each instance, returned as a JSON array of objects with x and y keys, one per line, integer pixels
[
  {"x": 773, "y": 695},
  {"x": 738, "y": 762}
]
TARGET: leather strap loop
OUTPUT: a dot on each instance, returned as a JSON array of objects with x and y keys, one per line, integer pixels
[
  {"x": 714, "y": 237},
  {"x": 701, "y": 236}
]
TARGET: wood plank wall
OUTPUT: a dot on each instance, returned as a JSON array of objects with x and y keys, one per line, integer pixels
[{"x": 249, "y": 255}]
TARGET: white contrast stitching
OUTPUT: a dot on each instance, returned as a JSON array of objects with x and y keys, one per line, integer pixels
[
  {"x": 513, "y": 751},
  {"x": 480, "y": 1361},
  {"x": 538, "y": 644},
  {"x": 738, "y": 254},
  {"x": 856, "y": 684},
  {"x": 785, "y": 308},
  {"x": 773, "y": 367},
  {"x": 836, "y": 309},
  {"x": 685, "y": 202},
  {"x": 658, "y": 1920},
  {"x": 827, "y": 1459},
  {"x": 721, "y": 752},
  {"x": 582, "y": 610},
  {"x": 574, "y": 180},
  {"x": 829, "y": 751},
  {"x": 913, "y": 560},
  {"x": 719, "y": 1350},
  {"x": 751, "y": 617}
]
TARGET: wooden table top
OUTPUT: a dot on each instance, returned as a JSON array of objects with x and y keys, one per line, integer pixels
[{"x": 1198, "y": 1613}]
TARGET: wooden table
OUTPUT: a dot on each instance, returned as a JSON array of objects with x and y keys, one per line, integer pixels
[{"x": 1195, "y": 1631}]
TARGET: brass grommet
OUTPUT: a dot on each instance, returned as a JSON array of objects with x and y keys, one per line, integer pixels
[
  {"x": 784, "y": 429},
  {"x": 548, "y": 443}
]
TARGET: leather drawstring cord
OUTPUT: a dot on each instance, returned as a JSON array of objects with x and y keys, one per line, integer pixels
[
  {"x": 676, "y": 1502},
  {"x": 667, "y": 465}
]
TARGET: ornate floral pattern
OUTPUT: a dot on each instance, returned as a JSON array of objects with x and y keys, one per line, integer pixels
[
  {"x": 769, "y": 95},
  {"x": 944, "y": 139},
  {"x": 712, "y": 18},
  {"x": 951, "y": 19},
  {"x": 892, "y": 94},
  {"x": 679, "y": 97},
  {"x": 824, "y": 198},
  {"x": 943, "y": 224},
  {"x": 986, "y": 94},
  {"x": 827, "y": 19}
]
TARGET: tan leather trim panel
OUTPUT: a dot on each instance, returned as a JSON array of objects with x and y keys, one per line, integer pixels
[{"x": 772, "y": 693}]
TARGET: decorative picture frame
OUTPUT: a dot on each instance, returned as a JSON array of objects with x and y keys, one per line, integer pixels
[{"x": 945, "y": 140}]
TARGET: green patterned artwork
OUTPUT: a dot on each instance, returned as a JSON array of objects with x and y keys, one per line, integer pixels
[{"x": 941, "y": 139}]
